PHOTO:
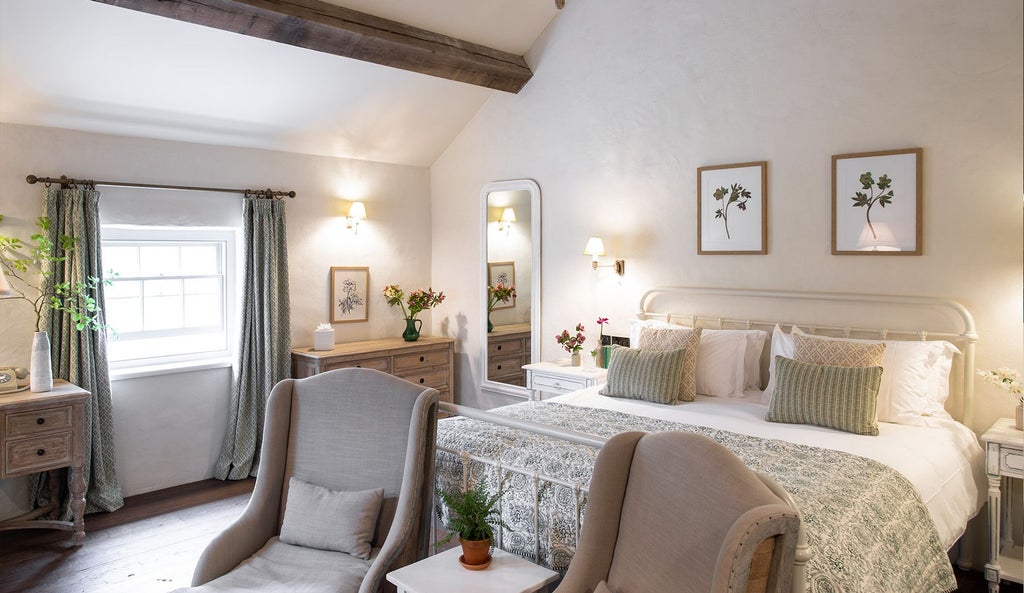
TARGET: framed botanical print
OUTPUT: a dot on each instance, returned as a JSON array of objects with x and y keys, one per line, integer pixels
[
  {"x": 876, "y": 203},
  {"x": 503, "y": 272},
  {"x": 349, "y": 290},
  {"x": 732, "y": 205}
]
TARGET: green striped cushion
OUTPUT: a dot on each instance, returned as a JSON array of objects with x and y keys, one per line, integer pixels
[
  {"x": 835, "y": 397},
  {"x": 651, "y": 375}
]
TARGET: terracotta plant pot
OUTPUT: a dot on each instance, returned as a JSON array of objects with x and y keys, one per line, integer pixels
[{"x": 475, "y": 552}]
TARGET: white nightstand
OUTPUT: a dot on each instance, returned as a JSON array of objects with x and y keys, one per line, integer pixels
[
  {"x": 442, "y": 573},
  {"x": 1004, "y": 464},
  {"x": 560, "y": 377}
]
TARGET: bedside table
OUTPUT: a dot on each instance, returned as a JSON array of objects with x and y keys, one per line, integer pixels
[
  {"x": 442, "y": 573},
  {"x": 560, "y": 377},
  {"x": 1004, "y": 465}
]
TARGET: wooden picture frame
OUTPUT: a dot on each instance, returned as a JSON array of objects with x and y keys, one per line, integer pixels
[
  {"x": 504, "y": 272},
  {"x": 350, "y": 294},
  {"x": 863, "y": 181},
  {"x": 732, "y": 209}
]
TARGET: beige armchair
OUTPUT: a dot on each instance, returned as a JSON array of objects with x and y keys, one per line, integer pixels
[
  {"x": 678, "y": 512},
  {"x": 346, "y": 430}
]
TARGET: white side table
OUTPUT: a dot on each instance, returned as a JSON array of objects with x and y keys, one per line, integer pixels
[
  {"x": 1004, "y": 465},
  {"x": 442, "y": 573},
  {"x": 561, "y": 377}
]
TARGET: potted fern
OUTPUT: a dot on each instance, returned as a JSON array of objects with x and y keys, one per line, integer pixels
[{"x": 471, "y": 516}]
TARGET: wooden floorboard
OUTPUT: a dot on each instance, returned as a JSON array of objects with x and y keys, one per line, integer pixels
[{"x": 152, "y": 544}]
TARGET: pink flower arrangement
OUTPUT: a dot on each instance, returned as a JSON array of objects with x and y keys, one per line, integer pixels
[
  {"x": 572, "y": 344},
  {"x": 499, "y": 293},
  {"x": 418, "y": 299}
]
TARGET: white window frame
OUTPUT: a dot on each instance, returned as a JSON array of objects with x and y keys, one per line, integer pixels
[{"x": 167, "y": 364}]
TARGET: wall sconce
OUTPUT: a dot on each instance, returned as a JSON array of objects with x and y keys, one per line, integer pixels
[
  {"x": 508, "y": 216},
  {"x": 877, "y": 237},
  {"x": 595, "y": 248},
  {"x": 356, "y": 212}
]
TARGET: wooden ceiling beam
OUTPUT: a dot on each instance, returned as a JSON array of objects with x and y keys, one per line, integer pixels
[{"x": 327, "y": 28}]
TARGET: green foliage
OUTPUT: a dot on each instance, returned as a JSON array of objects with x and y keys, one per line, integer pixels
[
  {"x": 76, "y": 300},
  {"x": 869, "y": 198},
  {"x": 735, "y": 194},
  {"x": 471, "y": 514}
]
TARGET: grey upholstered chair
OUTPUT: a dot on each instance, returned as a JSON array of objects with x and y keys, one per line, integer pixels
[
  {"x": 678, "y": 512},
  {"x": 346, "y": 430}
]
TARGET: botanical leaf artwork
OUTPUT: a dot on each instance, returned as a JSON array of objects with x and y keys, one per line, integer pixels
[
  {"x": 869, "y": 198},
  {"x": 737, "y": 194},
  {"x": 352, "y": 297}
]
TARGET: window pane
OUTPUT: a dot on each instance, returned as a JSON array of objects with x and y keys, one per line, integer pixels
[
  {"x": 123, "y": 289},
  {"x": 159, "y": 260},
  {"x": 202, "y": 310},
  {"x": 123, "y": 259},
  {"x": 208, "y": 286},
  {"x": 162, "y": 305},
  {"x": 200, "y": 259}
]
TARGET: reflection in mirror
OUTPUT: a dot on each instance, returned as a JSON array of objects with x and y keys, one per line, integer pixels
[{"x": 511, "y": 229}]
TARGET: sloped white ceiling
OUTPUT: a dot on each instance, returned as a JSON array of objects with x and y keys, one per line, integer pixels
[{"x": 98, "y": 68}]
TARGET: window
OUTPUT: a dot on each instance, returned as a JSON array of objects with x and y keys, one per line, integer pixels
[{"x": 172, "y": 296}]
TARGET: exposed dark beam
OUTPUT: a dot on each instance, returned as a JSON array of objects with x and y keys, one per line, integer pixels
[{"x": 319, "y": 26}]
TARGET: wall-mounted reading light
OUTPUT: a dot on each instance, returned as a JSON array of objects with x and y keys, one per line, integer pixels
[
  {"x": 877, "y": 237},
  {"x": 595, "y": 248},
  {"x": 356, "y": 212},
  {"x": 508, "y": 216}
]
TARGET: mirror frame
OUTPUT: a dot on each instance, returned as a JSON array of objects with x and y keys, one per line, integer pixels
[{"x": 535, "y": 284}]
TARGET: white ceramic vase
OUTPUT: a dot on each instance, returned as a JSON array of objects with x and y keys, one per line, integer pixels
[
  {"x": 40, "y": 372},
  {"x": 1018, "y": 419},
  {"x": 575, "y": 359}
]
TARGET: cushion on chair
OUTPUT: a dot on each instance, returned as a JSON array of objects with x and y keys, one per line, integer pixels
[
  {"x": 325, "y": 519},
  {"x": 283, "y": 568}
]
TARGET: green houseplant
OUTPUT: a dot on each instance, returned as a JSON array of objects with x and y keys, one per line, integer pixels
[{"x": 472, "y": 517}]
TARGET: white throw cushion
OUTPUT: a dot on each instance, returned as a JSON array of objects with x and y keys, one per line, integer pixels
[
  {"x": 915, "y": 378},
  {"x": 721, "y": 362},
  {"x": 755, "y": 339},
  {"x": 782, "y": 345},
  {"x": 325, "y": 519}
]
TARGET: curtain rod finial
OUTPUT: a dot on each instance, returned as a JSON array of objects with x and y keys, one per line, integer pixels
[{"x": 31, "y": 179}]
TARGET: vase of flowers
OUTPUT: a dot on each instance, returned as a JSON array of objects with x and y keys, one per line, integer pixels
[
  {"x": 1008, "y": 380},
  {"x": 499, "y": 293},
  {"x": 417, "y": 301},
  {"x": 572, "y": 343}
]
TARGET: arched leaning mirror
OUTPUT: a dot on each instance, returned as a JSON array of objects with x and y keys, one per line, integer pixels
[{"x": 511, "y": 239}]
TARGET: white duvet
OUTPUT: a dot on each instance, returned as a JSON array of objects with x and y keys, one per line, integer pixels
[{"x": 944, "y": 462}]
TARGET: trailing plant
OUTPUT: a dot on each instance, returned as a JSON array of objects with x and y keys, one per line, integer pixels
[
  {"x": 735, "y": 194},
  {"x": 882, "y": 198},
  {"x": 40, "y": 255},
  {"x": 471, "y": 514}
]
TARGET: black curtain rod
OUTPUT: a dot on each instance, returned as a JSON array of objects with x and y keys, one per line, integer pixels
[{"x": 65, "y": 181}]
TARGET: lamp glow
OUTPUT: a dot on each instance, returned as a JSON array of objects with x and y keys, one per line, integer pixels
[
  {"x": 879, "y": 239},
  {"x": 508, "y": 216},
  {"x": 356, "y": 212}
]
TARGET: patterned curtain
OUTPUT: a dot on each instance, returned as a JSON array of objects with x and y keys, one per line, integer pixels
[
  {"x": 81, "y": 356},
  {"x": 264, "y": 350}
]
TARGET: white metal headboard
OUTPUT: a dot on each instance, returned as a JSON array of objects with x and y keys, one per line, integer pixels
[{"x": 947, "y": 319}]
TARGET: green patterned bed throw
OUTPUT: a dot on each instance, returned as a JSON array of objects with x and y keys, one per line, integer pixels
[{"x": 866, "y": 525}]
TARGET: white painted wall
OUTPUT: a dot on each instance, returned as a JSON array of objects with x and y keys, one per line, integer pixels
[
  {"x": 629, "y": 98},
  {"x": 168, "y": 429}
]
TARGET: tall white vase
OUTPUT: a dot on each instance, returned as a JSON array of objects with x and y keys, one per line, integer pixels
[{"x": 40, "y": 372}]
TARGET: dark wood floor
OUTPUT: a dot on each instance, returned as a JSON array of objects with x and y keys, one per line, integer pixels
[{"x": 152, "y": 544}]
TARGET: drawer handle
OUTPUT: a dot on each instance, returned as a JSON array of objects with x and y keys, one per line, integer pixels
[
  {"x": 40, "y": 420},
  {"x": 422, "y": 358},
  {"x": 499, "y": 367},
  {"x": 422, "y": 380},
  {"x": 41, "y": 452},
  {"x": 359, "y": 366},
  {"x": 499, "y": 346}
]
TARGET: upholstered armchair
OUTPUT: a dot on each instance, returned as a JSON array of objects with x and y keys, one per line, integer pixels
[
  {"x": 678, "y": 512},
  {"x": 340, "y": 432}
]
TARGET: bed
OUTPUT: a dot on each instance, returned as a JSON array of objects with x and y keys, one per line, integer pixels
[{"x": 879, "y": 512}]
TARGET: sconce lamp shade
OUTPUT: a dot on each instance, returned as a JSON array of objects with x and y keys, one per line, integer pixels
[
  {"x": 357, "y": 210},
  {"x": 508, "y": 215},
  {"x": 877, "y": 236},
  {"x": 595, "y": 247},
  {"x": 5, "y": 286}
]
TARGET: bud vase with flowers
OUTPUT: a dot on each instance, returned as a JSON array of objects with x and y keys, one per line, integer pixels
[
  {"x": 602, "y": 352},
  {"x": 417, "y": 301},
  {"x": 572, "y": 343},
  {"x": 499, "y": 293}
]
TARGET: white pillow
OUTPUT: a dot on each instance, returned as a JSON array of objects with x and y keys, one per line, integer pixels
[
  {"x": 915, "y": 378},
  {"x": 755, "y": 339},
  {"x": 782, "y": 345},
  {"x": 325, "y": 519},
  {"x": 721, "y": 363}
]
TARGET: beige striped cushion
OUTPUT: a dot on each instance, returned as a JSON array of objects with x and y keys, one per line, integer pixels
[
  {"x": 673, "y": 339},
  {"x": 838, "y": 353},
  {"x": 832, "y": 396},
  {"x": 649, "y": 375}
]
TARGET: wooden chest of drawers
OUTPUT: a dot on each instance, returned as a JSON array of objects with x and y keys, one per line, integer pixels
[
  {"x": 44, "y": 432},
  {"x": 427, "y": 361},
  {"x": 508, "y": 349}
]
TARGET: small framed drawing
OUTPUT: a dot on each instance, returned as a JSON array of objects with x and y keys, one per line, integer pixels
[
  {"x": 732, "y": 209},
  {"x": 505, "y": 273},
  {"x": 349, "y": 290},
  {"x": 876, "y": 203}
]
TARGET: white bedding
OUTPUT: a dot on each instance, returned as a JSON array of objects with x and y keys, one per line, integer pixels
[{"x": 944, "y": 462}]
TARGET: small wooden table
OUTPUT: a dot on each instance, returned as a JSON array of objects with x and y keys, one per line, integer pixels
[
  {"x": 1004, "y": 464},
  {"x": 45, "y": 432},
  {"x": 442, "y": 573}
]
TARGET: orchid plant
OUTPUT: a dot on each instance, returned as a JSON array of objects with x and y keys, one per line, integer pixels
[
  {"x": 601, "y": 322},
  {"x": 572, "y": 344},
  {"x": 418, "y": 300},
  {"x": 1007, "y": 379}
]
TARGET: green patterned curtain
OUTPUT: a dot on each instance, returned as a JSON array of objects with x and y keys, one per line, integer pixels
[
  {"x": 264, "y": 349},
  {"x": 81, "y": 356}
]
